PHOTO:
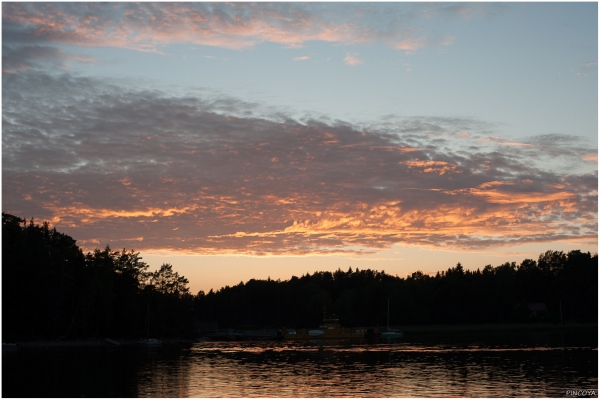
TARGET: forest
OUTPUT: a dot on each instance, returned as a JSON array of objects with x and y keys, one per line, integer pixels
[{"x": 52, "y": 290}]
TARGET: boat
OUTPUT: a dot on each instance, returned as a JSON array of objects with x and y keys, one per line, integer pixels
[
  {"x": 390, "y": 333},
  {"x": 330, "y": 329},
  {"x": 113, "y": 342},
  {"x": 150, "y": 342},
  {"x": 10, "y": 347}
]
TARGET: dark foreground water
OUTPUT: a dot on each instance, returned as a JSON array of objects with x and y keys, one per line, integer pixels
[{"x": 279, "y": 369}]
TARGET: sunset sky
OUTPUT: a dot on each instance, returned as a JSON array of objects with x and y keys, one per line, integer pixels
[{"x": 240, "y": 141}]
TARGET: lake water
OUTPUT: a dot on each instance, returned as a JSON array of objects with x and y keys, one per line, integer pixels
[{"x": 312, "y": 369}]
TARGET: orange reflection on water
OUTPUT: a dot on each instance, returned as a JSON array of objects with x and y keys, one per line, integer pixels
[{"x": 387, "y": 370}]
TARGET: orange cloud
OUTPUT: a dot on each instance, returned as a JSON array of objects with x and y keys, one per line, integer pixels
[
  {"x": 88, "y": 215},
  {"x": 436, "y": 167},
  {"x": 195, "y": 184},
  {"x": 509, "y": 198}
]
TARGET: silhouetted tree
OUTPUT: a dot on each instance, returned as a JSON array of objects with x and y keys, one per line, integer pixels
[
  {"x": 359, "y": 298},
  {"x": 50, "y": 289}
]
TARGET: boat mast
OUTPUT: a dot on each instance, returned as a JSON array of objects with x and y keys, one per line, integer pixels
[{"x": 388, "y": 315}]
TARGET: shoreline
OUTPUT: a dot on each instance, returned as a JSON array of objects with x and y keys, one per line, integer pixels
[
  {"x": 408, "y": 330},
  {"x": 497, "y": 328},
  {"x": 48, "y": 344}
]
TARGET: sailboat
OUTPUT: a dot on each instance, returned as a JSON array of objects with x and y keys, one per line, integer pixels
[
  {"x": 148, "y": 341},
  {"x": 390, "y": 333}
]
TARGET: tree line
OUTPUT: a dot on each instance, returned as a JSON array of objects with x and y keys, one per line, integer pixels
[
  {"x": 51, "y": 289},
  {"x": 565, "y": 285}
]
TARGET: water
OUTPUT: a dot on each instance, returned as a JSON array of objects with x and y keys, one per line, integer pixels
[{"x": 313, "y": 369}]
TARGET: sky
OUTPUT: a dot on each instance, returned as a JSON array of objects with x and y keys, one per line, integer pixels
[{"x": 238, "y": 141}]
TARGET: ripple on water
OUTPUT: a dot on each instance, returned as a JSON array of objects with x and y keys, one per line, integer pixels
[
  {"x": 401, "y": 370},
  {"x": 282, "y": 369}
]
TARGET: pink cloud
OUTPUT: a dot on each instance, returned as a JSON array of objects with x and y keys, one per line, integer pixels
[
  {"x": 149, "y": 27},
  {"x": 197, "y": 183},
  {"x": 411, "y": 44},
  {"x": 352, "y": 59}
]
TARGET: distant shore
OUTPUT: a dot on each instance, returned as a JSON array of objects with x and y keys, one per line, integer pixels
[
  {"x": 45, "y": 344},
  {"x": 410, "y": 331},
  {"x": 496, "y": 328}
]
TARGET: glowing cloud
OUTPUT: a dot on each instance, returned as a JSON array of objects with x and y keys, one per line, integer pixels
[
  {"x": 149, "y": 27},
  {"x": 205, "y": 176},
  {"x": 436, "y": 167}
]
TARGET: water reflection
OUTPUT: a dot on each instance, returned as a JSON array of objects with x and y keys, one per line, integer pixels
[
  {"x": 280, "y": 369},
  {"x": 388, "y": 371}
]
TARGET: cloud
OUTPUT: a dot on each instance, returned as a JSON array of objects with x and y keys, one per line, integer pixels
[
  {"x": 215, "y": 175},
  {"x": 302, "y": 58},
  {"x": 436, "y": 167},
  {"x": 150, "y": 27},
  {"x": 352, "y": 59},
  {"x": 504, "y": 142},
  {"x": 447, "y": 41},
  {"x": 411, "y": 45},
  {"x": 22, "y": 58},
  {"x": 465, "y": 11}
]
